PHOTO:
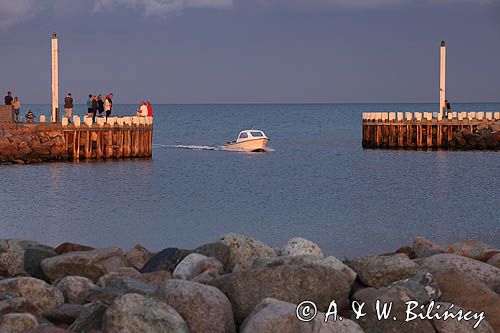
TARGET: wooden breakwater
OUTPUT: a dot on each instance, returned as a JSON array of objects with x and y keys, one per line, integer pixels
[
  {"x": 111, "y": 138},
  {"x": 463, "y": 130}
]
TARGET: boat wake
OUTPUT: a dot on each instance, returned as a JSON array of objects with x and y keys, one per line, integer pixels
[
  {"x": 193, "y": 147},
  {"x": 196, "y": 147}
]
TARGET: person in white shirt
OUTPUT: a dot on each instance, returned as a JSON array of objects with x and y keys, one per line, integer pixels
[{"x": 143, "y": 110}]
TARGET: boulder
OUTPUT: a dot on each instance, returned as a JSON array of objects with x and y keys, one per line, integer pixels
[
  {"x": 398, "y": 296},
  {"x": 90, "y": 318},
  {"x": 299, "y": 246},
  {"x": 105, "y": 295},
  {"x": 138, "y": 256},
  {"x": 290, "y": 283},
  {"x": 22, "y": 258},
  {"x": 458, "y": 288},
  {"x": 153, "y": 278},
  {"x": 130, "y": 285},
  {"x": 453, "y": 325},
  {"x": 217, "y": 250},
  {"x": 165, "y": 260},
  {"x": 477, "y": 270},
  {"x": 75, "y": 288},
  {"x": 137, "y": 313},
  {"x": 422, "y": 285},
  {"x": 243, "y": 247},
  {"x": 425, "y": 248},
  {"x": 494, "y": 261},
  {"x": 17, "y": 322},
  {"x": 380, "y": 271},
  {"x": 195, "y": 264},
  {"x": 18, "y": 305},
  {"x": 119, "y": 273},
  {"x": 205, "y": 308},
  {"x": 408, "y": 251},
  {"x": 71, "y": 247},
  {"x": 38, "y": 292},
  {"x": 91, "y": 264},
  {"x": 156, "y": 278},
  {"x": 473, "y": 249},
  {"x": 64, "y": 313},
  {"x": 331, "y": 262},
  {"x": 272, "y": 315}
]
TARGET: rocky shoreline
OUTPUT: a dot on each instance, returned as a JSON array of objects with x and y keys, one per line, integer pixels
[{"x": 239, "y": 284}]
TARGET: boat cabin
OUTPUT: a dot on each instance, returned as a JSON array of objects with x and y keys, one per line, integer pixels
[{"x": 251, "y": 135}]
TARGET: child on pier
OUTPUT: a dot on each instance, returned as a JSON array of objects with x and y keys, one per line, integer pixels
[{"x": 30, "y": 117}]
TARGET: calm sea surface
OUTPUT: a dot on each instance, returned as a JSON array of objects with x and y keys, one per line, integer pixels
[{"x": 318, "y": 183}]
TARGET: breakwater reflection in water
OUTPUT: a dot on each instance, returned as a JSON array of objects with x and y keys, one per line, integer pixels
[{"x": 318, "y": 183}]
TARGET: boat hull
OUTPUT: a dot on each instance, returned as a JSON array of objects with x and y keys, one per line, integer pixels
[{"x": 253, "y": 145}]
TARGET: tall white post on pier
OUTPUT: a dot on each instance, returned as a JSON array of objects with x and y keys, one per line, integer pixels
[
  {"x": 55, "y": 79},
  {"x": 442, "y": 80}
]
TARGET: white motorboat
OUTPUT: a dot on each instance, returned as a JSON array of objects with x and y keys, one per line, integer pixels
[{"x": 249, "y": 140}]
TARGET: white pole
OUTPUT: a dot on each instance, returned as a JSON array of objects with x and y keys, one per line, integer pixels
[
  {"x": 55, "y": 78},
  {"x": 442, "y": 80}
]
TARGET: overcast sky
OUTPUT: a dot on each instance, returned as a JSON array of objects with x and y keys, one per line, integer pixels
[{"x": 224, "y": 51}]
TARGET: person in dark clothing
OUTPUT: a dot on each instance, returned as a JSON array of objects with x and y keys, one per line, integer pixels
[
  {"x": 95, "y": 107},
  {"x": 108, "y": 104},
  {"x": 30, "y": 117},
  {"x": 89, "y": 106},
  {"x": 448, "y": 106},
  {"x": 100, "y": 103},
  {"x": 8, "y": 99},
  {"x": 68, "y": 105}
]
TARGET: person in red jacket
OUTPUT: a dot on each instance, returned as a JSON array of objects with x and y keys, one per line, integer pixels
[{"x": 150, "y": 109}]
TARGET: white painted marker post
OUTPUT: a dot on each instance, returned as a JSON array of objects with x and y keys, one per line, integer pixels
[
  {"x": 442, "y": 80},
  {"x": 55, "y": 79}
]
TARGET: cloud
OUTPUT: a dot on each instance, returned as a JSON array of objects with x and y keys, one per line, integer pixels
[
  {"x": 366, "y": 4},
  {"x": 162, "y": 7},
  {"x": 12, "y": 12}
]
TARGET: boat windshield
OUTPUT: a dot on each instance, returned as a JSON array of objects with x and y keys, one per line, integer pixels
[
  {"x": 243, "y": 135},
  {"x": 257, "y": 134}
]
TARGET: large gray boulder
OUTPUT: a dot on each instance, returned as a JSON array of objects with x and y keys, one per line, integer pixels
[
  {"x": 243, "y": 247},
  {"x": 423, "y": 247},
  {"x": 396, "y": 296},
  {"x": 38, "y": 292},
  {"x": 137, "y": 313},
  {"x": 330, "y": 261},
  {"x": 290, "y": 283},
  {"x": 91, "y": 264},
  {"x": 75, "y": 288},
  {"x": 272, "y": 315},
  {"x": 477, "y": 270},
  {"x": 22, "y": 258},
  {"x": 17, "y": 322},
  {"x": 196, "y": 264},
  {"x": 205, "y": 308},
  {"x": 299, "y": 246},
  {"x": 380, "y": 271}
]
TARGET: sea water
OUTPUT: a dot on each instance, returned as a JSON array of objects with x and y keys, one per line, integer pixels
[{"x": 317, "y": 183}]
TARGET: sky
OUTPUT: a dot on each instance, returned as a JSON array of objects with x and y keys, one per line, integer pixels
[{"x": 252, "y": 51}]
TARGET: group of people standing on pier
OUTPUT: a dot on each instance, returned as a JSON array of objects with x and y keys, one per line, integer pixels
[
  {"x": 16, "y": 108},
  {"x": 103, "y": 106}
]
